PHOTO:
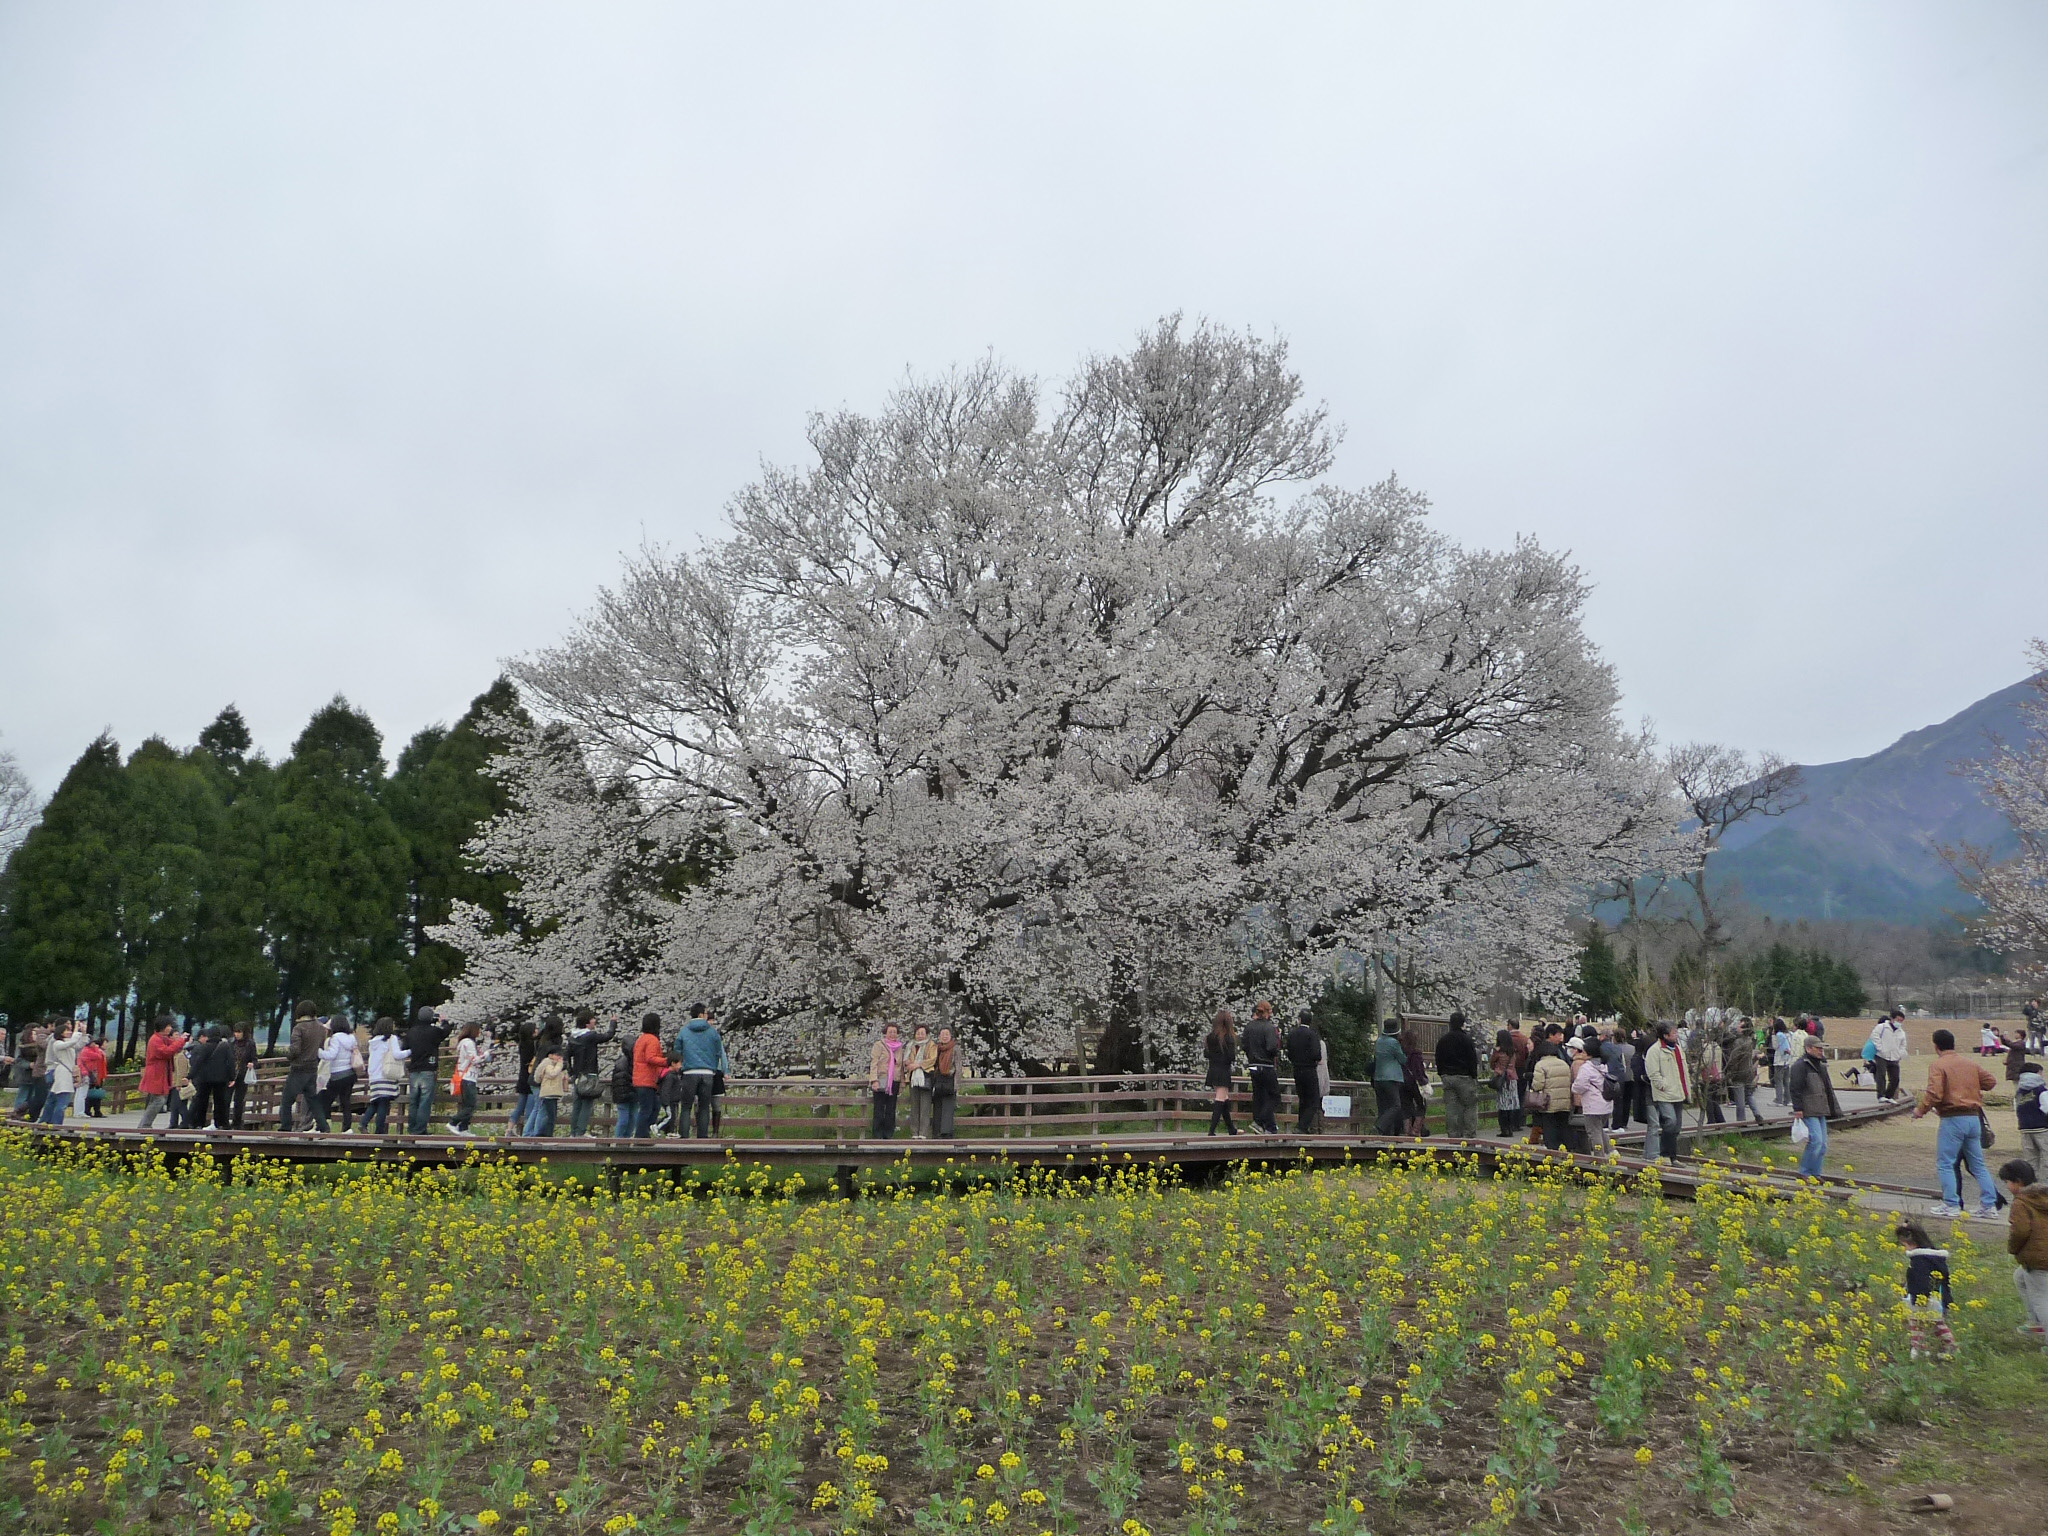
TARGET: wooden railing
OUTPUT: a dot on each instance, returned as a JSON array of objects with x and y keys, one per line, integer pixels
[{"x": 841, "y": 1109}]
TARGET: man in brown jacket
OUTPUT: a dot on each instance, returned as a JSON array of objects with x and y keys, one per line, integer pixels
[
  {"x": 1955, "y": 1091},
  {"x": 2027, "y": 1242}
]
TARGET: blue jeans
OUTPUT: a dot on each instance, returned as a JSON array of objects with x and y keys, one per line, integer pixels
[
  {"x": 535, "y": 1110},
  {"x": 420, "y": 1100},
  {"x": 1816, "y": 1150},
  {"x": 646, "y": 1105},
  {"x": 1661, "y": 1140},
  {"x": 623, "y": 1126},
  {"x": 54, "y": 1105},
  {"x": 549, "y": 1108},
  {"x": 1962, "y": 1136}
]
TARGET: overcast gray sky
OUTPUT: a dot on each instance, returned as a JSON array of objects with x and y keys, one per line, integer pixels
[{"x": 343, "y": 348}]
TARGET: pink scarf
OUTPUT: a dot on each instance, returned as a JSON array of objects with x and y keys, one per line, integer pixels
[{"x": 895, "y": 1050}]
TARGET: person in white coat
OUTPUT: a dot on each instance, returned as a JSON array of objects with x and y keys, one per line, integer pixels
[
  {"x": 342, "y": 1058},
  {"x": 60, "y": 1062},
  {"x": 1889, "y": 1038}
]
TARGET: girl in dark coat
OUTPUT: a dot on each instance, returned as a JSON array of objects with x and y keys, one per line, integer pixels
[
  {"x": 1415, "y": 1087},
  {"x": 1220, "y": 1047}
]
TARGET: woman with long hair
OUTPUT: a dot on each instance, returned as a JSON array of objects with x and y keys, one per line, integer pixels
[
  {"x": 387, "y": 1065},
  {"x": 1507, "y": 1088},
  {"x": 1220, "y": 1047}
]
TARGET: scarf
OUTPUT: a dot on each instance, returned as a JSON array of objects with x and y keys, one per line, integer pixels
[
  {"x": 944, "y": 1066},
  {"x": 895, "y": 1048}
]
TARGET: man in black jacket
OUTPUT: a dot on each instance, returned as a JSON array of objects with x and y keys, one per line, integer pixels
[
  {"x": 581, "y": 1060},
  {"x": 423, "y": 1057},
  {"x": 1262, "y": 1055},
  {"x": 213, "y": 1080},
  {"x": 302, "y": 1069},
  {"x": 1457, "y": 1064},
  {"x": 1305, "y": 1053}
]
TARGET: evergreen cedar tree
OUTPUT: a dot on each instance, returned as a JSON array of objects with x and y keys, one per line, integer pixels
[{"x": 217, "y": 885}]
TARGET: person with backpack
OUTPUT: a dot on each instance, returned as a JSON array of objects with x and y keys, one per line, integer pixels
[
  {"x": 580, "y": 1056},
  {"x": 387, "y": 1066},
  {"x": 2030, "y": 1105},
  {"x": 1738, "y": 1064},
  {"x": 700, "y": 1049}
]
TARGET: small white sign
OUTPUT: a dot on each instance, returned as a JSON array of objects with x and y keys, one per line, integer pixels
[{"x": 1336, "y": 1106}]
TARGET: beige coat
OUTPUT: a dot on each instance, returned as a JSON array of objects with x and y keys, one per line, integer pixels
[
  {"x": 1553, "y": 1077},
  {"x": 878, "y": 1067}
]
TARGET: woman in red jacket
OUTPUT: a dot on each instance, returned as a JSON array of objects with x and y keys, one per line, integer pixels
[
  {"x": 649, "y": 1062},
  {"x": 92, "y": 1072},
  {"x": 164, "y": 1043}
]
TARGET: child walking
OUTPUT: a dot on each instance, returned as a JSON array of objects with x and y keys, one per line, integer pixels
[
  {"x": 1927, "y": 1291},
  {"x": 551, "y": 1082},
  {"x": 2027, "y": 1241}
]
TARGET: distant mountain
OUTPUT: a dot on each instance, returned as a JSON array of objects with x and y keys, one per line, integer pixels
[{"x": 1863, "y": 844}]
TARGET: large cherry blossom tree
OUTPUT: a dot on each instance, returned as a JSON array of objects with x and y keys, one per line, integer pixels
[{"x": 1034, "y": 712}]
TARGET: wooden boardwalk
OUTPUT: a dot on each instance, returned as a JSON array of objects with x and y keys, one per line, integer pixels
[{"x": 1191, "y": 1156}]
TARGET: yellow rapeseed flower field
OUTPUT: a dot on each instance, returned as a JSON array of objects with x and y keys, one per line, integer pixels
[{"x": 495, "y": 1349}]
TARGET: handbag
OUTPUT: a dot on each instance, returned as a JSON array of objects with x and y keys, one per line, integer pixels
[
  {"x": 588, "y": 1085},
  {"x": 1990, "y": 1139}
]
